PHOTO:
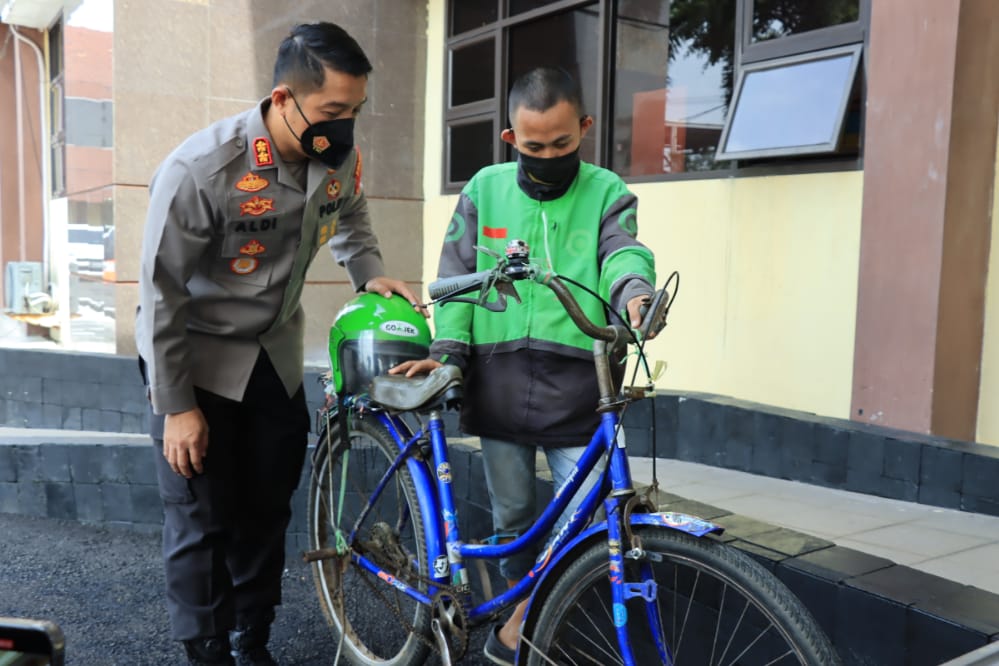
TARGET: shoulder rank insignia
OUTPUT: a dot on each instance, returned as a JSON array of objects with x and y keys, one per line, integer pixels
[
  {"x": 357, "y": 173},
  {"x": 244, "y": 265},
  {"x": 333, "y": 189},
  {"x": 262, "y": 155},
  {"x": 256, "y": 206},
  {"x": 253, "y": 248},
  {"x": 251, "y": 182}
]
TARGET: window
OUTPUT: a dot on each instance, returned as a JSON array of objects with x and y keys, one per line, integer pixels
[
  {"x": 791, "y": 106},
  {"x": 658, "y": 77},
  {"x": 57, "y": 115}
]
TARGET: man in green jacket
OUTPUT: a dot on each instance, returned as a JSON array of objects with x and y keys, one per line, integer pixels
[{"x": 529, "y": 375}]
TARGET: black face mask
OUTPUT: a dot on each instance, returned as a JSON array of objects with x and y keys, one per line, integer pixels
[
  {"x": 329, "y": 141},
  {"x": 547, "y": 178}
]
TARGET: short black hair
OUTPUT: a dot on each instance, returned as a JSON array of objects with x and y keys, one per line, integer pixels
[
  {"x": 309, "y": 48},
  {"x": 542, "y": 88}
]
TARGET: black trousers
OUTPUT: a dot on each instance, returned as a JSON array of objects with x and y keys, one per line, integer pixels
[{"x": 224, "y": 529}]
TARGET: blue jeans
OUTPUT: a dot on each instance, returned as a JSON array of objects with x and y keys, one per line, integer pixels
[{"x": 511, "y": 479}]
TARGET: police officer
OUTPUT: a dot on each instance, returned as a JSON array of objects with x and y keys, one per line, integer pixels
[{"x": 236, "y": 215}]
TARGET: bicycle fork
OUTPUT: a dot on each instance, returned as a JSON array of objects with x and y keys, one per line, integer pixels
[{"x": 622, "y": 590}]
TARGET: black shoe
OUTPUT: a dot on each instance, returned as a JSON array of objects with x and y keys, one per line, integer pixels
[
  {"x": 211, "y": 651},
  {"x": 495, "y": 651},
  {"x": 249, "y": 646}
]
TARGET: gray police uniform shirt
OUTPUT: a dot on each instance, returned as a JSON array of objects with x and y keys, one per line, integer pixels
[{"x": 229, "y": 236}]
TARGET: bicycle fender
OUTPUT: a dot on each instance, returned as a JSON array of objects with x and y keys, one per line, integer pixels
[{"x": 680, "y": 522}]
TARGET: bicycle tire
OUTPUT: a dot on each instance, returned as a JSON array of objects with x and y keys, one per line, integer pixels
[
  {"x": 361, "y": 612},
  {"x": 697, "y": 582}
]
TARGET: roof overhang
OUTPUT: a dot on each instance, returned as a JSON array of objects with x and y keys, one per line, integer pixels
[{"x": 37, "y": 14}]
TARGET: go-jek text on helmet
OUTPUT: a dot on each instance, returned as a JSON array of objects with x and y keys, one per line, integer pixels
[{"x": 371, "y": 334}]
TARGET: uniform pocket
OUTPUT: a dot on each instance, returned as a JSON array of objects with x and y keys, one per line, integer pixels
[{"x": 248, "y": 252}]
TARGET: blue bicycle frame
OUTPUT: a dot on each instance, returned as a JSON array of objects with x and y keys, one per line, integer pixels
[{"x": 443, "y": 540}]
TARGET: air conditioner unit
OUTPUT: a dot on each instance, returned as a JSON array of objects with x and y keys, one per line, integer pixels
[{"x": 21, "y": 280}]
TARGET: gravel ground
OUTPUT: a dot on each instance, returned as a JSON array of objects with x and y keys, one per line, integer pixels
[{"x": 103, "y": 586}]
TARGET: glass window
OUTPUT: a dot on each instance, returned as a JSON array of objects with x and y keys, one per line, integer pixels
[
  {"x": 673, "y": 82},
  {"x": 564, "y": 40},
  {"x": 472, "y": 71},
  {"x": 791, "y": 106},
  {"x": 471, "y": 149},
  {"x": 471, "y": 15},
  {"x": 521, "y": 6},
  {"x": 779, "y": 18}
]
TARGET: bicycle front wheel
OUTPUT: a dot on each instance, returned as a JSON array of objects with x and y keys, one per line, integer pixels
[
  {"x": 713, "y": 605},
  {"x": 376, "y": 623}
]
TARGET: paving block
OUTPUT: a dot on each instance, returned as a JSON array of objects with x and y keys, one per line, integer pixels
[
  {"x": 72, "y": 418},
  {"x": 787, "y": 542},
  {"x": 51, "y": 416},
  {"x": 818, "y": 594},
  {"x": 940, "y": 474},
  {"x": 865, "y": 461},
  {"x": 110, "y": 420},
  {"x": 132, "y": 423},
  {"x": 60, "y": 501},
  {"x": 832, "y": 446},
  {"x": 53, "y": 462},
  {"x": 906, "y": 585},
  {"x": 27, "y": 461},
  {"x": 639, "y": 441},
  {"x": 979, "y": 477},
  {"x": 8, "y": 497},
  {"x": 986, "y": 505},
  {"x": 741, "y": 526},
  {"x": 147, "y": 507},
  {"x": 770, "y": 559},
  {"x": 33, "y": 415},
  {"x": 737, "y": 437},
  {"x": 8, "y": 463},
  {"x": 15, "y": 414},
  {"x": 695, "y": 508},
  {"x": 797, "y": 448},
  {"x": 901, "y": 459},
  {"x": 117, "y": 501},
  {"x": 870, "y": 629},
  {"x": 900, "y": 489},
  {"x": 89, "y": 502},
  {"x": 766, "y": 458},
  {"x": 29, "y": 389},
  {"x": 838, "y": 563},
  {"x": 31, "y": 500},
  {"x": 52, "y": 391},
  {"x": 91, "y": 418},
  {"x": 96, "y": 464},
  {"x": 827, "y": 474},
  {"x": 139, "y": 464},
  {"x": 971, "y": 607},
  {"x": 931, "y": 640}
]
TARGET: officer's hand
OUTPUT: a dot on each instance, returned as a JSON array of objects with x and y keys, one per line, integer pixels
[
  {"x": 386, "y": 286},
  {"x": 412, "y": 368},
  {"x": 185, "y": 442},
  {"x": 635, "y": 313}
]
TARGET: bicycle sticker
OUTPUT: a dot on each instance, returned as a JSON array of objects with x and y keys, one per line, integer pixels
[
  {"x": 440, "y": 566},
  {"x": 444, "y": 472},
  {"x": 620, "y": 615}
]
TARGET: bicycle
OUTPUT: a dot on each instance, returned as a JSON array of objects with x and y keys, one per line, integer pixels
[{"x": 639, "y": 587}]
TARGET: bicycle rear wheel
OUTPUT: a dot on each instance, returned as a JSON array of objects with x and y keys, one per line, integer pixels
[
  {"x": 378, "y": 623},
  {"x": 715, "y": 606}
]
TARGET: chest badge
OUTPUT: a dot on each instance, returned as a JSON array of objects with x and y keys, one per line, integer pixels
[
  {"x": 251, "y": 182},
  {"x": 253, "y": 248},
  {"x": 333, "y": 189},
  {"x": 244, "y": 265},
  {"x": 256, "y": 206},
  {"x": 262, "y": 154}
]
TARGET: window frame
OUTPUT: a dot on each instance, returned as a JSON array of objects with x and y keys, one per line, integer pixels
[
  {"x": 805, "y": 42},
  {"x": 828, "y": 148}
]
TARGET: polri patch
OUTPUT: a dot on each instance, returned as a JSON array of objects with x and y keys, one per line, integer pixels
[
  {"x": 244, "y": 265},
  {"x": 256, "y": 206},
  {"x": 251, "y": 182}
]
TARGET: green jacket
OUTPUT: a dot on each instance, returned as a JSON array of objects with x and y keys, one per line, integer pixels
[{"x": 529, "y": 373}]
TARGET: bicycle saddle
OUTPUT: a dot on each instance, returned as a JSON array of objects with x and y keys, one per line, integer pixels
[{"x": 407, "y": 394}]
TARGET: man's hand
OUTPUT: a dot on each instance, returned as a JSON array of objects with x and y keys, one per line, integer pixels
[
  {"x": 185, "y": 442},
  {"x": 635, "y": 313},
  {"x": 412, "y": 368},
  {"x": 386, "y": 286}
]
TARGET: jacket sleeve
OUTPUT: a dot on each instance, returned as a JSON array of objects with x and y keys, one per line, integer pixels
[
  {"x": 179, "y": 228},
  {"x": 354, "y": 244},
  {"x": 627, "y": 268},
  {"x": 453, "y": 321}
]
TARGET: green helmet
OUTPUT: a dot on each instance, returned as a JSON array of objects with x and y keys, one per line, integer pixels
[{"x": 371, "y": 334}]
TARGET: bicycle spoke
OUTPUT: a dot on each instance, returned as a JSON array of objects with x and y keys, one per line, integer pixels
[
  {"x": 721, "y": 613},
  {"x": 737, "y": 625},
  {"x": 686, "y": 616},
  {"x": 592, "y": 642}
]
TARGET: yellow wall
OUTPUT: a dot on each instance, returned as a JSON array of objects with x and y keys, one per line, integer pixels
[
  {"x": 988, "y": 397},
  {"x": 768, "y": 297}
]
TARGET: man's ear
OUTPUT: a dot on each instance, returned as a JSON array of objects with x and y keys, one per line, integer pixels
[
  {"x": 279, "y": 97},
  {"x": 508, "y": 136},
  {"x": 585, "y": 124}
]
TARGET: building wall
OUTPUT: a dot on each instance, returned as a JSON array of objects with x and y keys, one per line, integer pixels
[
  {"x": 180, "y": 65},
  {"x": 988, "y": 402},
  {"x": 768, "y": 292}
]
